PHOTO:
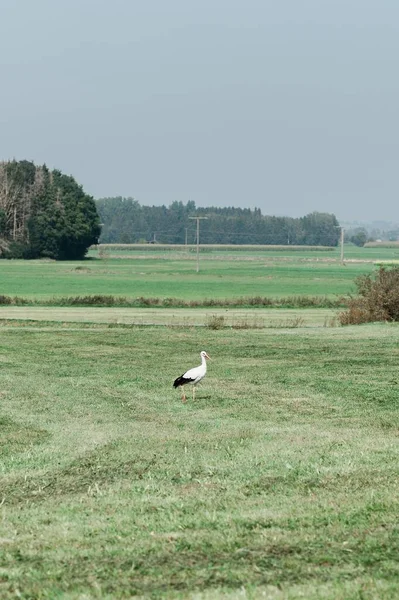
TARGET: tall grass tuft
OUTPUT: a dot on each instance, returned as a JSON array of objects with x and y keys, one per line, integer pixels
[
  {"x": 215, "y": 322},
  {"x": 248, "y": 323}
]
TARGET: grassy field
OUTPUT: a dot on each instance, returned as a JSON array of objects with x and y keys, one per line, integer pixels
[
  {"x": 280, "y": 481},
  {"x": 370, "y": 252},
  {"x": 239, "y": 318},
  {"x": 231, "y": 274}
]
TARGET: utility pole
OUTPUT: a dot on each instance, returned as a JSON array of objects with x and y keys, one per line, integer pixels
[
  {"x": 342, "y": 242},
  {"x": 186, "y": 228},
  {"x": 342, "y": 245},
  {"x": 198, "y": 219}
]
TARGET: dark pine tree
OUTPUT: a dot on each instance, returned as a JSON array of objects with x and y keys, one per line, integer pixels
[{"x": 44, "y": 213}]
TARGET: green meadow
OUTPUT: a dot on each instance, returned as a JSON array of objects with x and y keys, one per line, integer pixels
[
  {"x": 172, "y": 274},
  {"x": 279, "y": 481}
]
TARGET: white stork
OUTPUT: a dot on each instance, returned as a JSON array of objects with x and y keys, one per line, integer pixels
[{"x": 193, "y": 376}]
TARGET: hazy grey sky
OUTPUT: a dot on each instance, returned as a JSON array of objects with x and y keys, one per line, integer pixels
[{"x": 288, "y": 105}]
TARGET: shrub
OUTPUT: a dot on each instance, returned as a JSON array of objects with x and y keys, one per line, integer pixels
[
  {"x": 215, "y": 322},
  {"x": 378, "y": 298},
  {"x": 17, "y": 250},
  {"x": 15, "y": 301},
  {"x": 95, "y": 300}
]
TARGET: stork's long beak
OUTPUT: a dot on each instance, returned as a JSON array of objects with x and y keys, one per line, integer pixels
[{"x": 206, "y": 356}]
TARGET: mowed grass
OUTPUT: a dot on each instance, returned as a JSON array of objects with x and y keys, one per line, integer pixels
[
  {"x": 254, "y": 318},
  {"x": 168, "y": 275},
  {"x": 279, "y": 481}
]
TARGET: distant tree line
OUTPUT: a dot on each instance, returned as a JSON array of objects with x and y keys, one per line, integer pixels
[
  {"x": 360, "y": 235},
  {"x": 44, "y": 213},
  {"x": 357, "y": 236},
  {"x": 125, "y": 221}
]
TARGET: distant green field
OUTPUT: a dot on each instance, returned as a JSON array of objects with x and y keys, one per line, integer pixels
[
  {"x": 351, "y": 252},
  {"x": 223, "y": 274},
  {"x": 280, "y": 481}
]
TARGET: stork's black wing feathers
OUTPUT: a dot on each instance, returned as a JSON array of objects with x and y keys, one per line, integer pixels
[{"x": 182, "y": 381}]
